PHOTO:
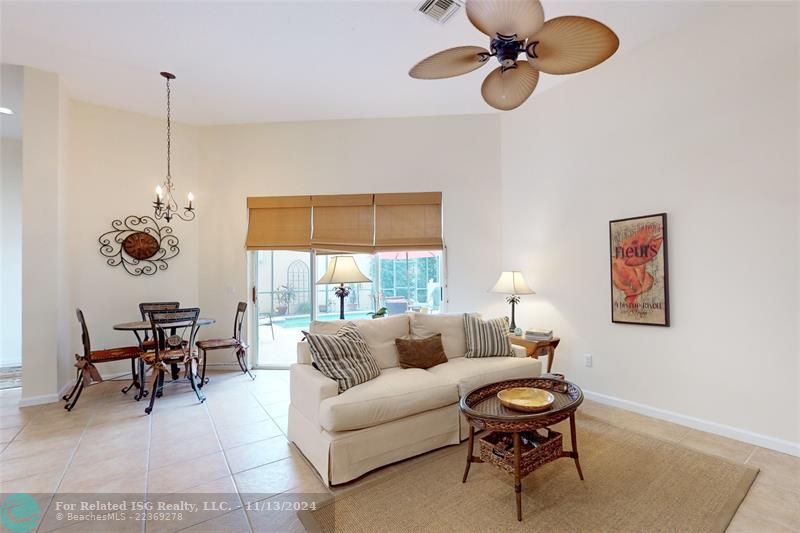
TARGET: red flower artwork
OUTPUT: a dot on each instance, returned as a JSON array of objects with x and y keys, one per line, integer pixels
[{"x": 629, "y": 263}]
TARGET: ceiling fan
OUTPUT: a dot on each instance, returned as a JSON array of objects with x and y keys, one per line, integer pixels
[{"x": 563, "y": 45}]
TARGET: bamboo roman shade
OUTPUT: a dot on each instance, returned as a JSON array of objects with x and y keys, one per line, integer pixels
[
  {"x": 408, "y": 221},
  {"x": 279, "y": 223},
  {"x": 343, "y": 223}
]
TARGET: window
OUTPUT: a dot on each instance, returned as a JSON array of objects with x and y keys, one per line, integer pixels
[
  {"x": 401, "y": 281},
  {"x": 297, "y": 282},
  {"x": 412, "y": 279}
]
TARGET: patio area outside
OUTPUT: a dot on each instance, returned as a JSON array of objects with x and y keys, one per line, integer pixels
[{"x": 402, "y": 281}]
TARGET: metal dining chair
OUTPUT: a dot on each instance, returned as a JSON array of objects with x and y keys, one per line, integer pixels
[
  {"x": 172, "y": 348},
  {"x": 87, "y": 371},
  {"x": 268, "y": 322},
  {"x": 145, "y": 308},
  {"x": 235, "y": 343}
]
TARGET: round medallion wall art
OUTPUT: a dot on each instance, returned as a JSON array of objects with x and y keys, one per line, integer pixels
[{"x": 139, "y": 245}]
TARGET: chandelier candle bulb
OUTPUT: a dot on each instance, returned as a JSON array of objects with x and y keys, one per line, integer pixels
[
  {"x": 159, "y": 193},
  {"x": 190, "y": 196}
]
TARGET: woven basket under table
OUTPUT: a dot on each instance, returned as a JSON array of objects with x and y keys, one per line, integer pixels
[{"x": 548, "y": 449}]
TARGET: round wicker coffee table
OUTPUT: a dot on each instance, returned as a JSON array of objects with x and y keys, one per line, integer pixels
[{"x": 528, "y": 449}]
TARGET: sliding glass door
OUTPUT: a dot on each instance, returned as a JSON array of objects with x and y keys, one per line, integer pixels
[
  {"x": 287, "y": 299},
  {"x": 283, "y": 291}
]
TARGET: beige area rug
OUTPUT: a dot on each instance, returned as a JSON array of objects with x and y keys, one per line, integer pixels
[{"x": 633, "y": 483}]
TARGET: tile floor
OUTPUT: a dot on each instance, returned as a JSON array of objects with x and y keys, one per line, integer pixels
[{"x": 235, "y": 446}]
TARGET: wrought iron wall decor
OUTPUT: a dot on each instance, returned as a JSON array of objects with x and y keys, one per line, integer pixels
[{"x": 139, "y": 245}]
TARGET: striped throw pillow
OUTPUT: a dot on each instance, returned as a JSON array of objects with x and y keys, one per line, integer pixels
[
  {"x": 343, "y": 357},
  {"x": 487, "y": 338}
]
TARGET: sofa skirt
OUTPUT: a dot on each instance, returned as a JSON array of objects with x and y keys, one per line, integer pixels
[{"x": 343, "y": 456}]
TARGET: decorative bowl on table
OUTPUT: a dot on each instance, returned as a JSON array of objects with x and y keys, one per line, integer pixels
[{"x": 526, "y": 399}]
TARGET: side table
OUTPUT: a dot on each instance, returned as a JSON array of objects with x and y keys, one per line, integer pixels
[
  {"x": 485, "y": 412},
  {"x": 534, "y": 348}
]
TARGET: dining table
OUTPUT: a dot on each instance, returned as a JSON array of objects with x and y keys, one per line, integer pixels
[{"x": 138, "y": 326}]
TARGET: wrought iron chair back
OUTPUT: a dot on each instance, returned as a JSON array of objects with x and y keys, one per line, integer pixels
[
  {"x": 164, "y": 325},
  {"x": 146, "y": 307},
  {"x": 238, "y": 320},
  {"x": 235, "y": 343},
  {"x": 172, "y": 348},
  {"x": 87, "y": 345}
]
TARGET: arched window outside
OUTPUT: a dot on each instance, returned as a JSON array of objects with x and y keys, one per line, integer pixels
[{"x": 297, "y": 280}]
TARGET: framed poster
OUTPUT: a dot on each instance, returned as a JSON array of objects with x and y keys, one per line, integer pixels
[{"x": 639, "y": 277}]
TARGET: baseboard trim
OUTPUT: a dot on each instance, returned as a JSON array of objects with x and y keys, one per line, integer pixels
[
  {"x": 66, "y": 388},
  {"x": 53, "y": 398},
  {"x": 39, "y": 400},
  {"x": 758, "y": 439}
]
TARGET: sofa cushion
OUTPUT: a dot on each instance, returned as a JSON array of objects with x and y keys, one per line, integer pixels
[
  {"x": 396, "y": 393},
  {"x": 487, "y": 338},
  {"x": 304, "y": 353},
  {"x": 421, "y": 353},
  {"x": 450, "y": 325},
  {"x": 343, "y": 357},
  {"x": 379, "y": 335},
  {"x": 472, "y": 373}
]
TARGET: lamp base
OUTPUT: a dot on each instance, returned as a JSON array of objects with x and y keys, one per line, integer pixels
[{"x": 341, "y": 292}]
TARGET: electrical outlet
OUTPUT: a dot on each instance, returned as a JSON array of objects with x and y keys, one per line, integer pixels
[{"x": 587, "y": 359}]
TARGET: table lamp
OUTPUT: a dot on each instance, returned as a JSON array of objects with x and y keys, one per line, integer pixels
[
  {"x": 342, "y": 269},
  {"x": 513, "y": 284}
]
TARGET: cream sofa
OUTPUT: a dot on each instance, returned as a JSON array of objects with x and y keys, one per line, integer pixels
[{"x": 399, "y": 414}]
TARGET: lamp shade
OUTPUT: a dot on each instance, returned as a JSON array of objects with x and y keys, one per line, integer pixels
[
  {"x": 511, "y": 283},
  {"x": 343, "y": 269}
]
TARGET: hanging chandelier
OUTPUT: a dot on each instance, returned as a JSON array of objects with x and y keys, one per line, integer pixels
[{"x": 165, "y": 205}]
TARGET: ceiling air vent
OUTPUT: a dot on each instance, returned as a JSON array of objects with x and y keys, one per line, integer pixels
[{"x": 439, "y": 10}]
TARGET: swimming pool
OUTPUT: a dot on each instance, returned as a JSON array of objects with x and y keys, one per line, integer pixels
[{"x": 303, "y": 321}]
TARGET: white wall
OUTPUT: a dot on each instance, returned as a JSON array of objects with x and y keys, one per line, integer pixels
[
  {"x": 11, "y": 253},
  {"x": 65, "y": 265},
  {"x": 40, "y": 219},
  {"x": 11, "y": 93},
  {"x": 456, "y": 155},
  {"x": 705, "y": 127},
  {"x": 115, "y": 160}
]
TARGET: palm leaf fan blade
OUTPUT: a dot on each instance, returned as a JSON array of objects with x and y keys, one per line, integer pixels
[
  {"x": 449, "y": 63},
  {"x": 566, "y": 45}
]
